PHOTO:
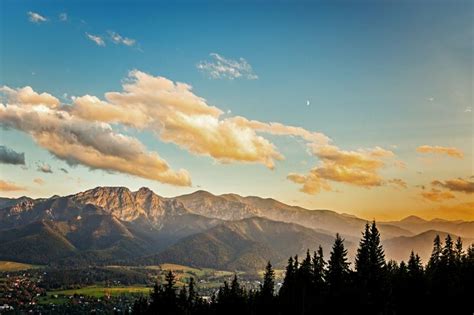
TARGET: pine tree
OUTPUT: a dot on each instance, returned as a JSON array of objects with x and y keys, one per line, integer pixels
[
  {"x": 376, "y": 253},
  {"x": 265, "y": 298},
  {"x": 338, "y": 267},
  {"x": 338, "y": 278},
  {"x": 318, "y": 268},
  {"x": 288, "y": 289},
  {"x": 415, "y": 268},
  {"x": 447, "y": 254},
  {"x": 268, "y": 286},
  {"x": 362, "y": 258},
  {"x": 433, "y": 263},
  {"x": 458, "y": 251}
]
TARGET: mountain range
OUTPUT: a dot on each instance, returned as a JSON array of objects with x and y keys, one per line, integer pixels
[{"x": 108, "y": 225}]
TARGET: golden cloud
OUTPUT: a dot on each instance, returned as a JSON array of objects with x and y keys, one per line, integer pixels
[
  {"x": 26, "y": 96},
  {"x": 457, "y": 184},
  {"x": 451, "y": 151},
  {"x": 359, "y": 168},
  {"x": 82, "y": 133},
  {"x": 92, "y": 144},
  {"x": 398, "y": 182},
  {"x": 9, "y": 186},
  {"x": 437, "y": 195},
  {"x": 178, "y": 116}
]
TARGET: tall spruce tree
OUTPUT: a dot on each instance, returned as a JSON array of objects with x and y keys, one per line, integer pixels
[
  {"x": 435, "y": 257},
  {"x": 268, "y": 287},
  {"x": 458, "y": 250},
  {"x": 318, "y": 268},
  {"x": 265, "y": 298},
  {"x": 338, "y": 267},
  {"x": 338, "y": 278},
  {"x": 362, "y": 260}
]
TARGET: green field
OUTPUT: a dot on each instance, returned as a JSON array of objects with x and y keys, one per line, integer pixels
[
  {"x": 15, "y": 266},
  {"x": 61, "y": 296}
]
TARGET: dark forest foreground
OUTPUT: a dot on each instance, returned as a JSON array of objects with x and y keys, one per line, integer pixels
[{"x": 445, "y": 285}]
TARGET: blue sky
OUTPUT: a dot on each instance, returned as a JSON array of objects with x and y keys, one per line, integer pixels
[{"x": 395, "y": 75}]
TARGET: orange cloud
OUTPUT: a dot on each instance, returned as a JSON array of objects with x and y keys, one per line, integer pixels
[
  {"x": 178, "y": 116},
  {"x": 359, "y": 168},
  {"x": 398, "y": 182},
  {"x": 457, "y": 184},
  {"x": 9, "y": 186},
  {"x": 82, "y": 133},
  {"x": 451, "y": 151},
  {"x": 437, "y": 195}
]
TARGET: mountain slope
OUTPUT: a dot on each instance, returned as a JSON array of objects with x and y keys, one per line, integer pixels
[
  {"x": 39, "y": 242},
  {"x": 418, "y": 225},
  {"x": 399, "y": 248},
  {"x": 235, "y": 207},
  {"x": 244, "y": 244}
]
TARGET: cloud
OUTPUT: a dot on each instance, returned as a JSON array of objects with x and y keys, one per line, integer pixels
[
  {"x": 27, "y": 97},
  {"x": 9, "y": 156},
  {"x": 44, "y": 167},
  {"x": 176, "y": 115},
  {"x": 83, "y": 133},
  {"x": 119, "y": 39},
  {"x": 39, "y": 181},
  {"x": 437, "y": 195},
  {"x": 9, "y": 186},
  {"x": 222, "y": 68},
  {"x": 96, "y": 39},
  {"x": 63, "y": 17},
  {"x": 359, "y": 168},
  {"x": 398, "y": 182},
  {"x": 36, "y": 17},
  {"x": 64, "y": 170},
  {"x": 93, "y": 144},
  {"x": 456, "y": 185},
  {"x": 451, "y": 151}
]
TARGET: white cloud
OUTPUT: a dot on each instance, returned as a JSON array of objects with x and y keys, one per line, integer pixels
[
  {"x": 90, "y": 143},
  {"x": 83, "y": 133},
  {"x": 63, "y": 17},
  {"x": 119, "y": 39},
  {"x": 96, "y": 39},
  {"x": 222, "y": 68},
  {"x": 27, "y": 96},
  {"x": 36, "y": 17},
  {"x": 175, "y": 114},
  {"x": 44, "y": 167}
]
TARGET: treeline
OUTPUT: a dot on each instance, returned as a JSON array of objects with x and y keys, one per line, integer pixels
[{"x": 316, "y": 286}]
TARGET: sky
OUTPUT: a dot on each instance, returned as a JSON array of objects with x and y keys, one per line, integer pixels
[{"x": 359, "y": 107}]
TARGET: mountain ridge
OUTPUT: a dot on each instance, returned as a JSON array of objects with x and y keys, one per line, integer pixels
[{"x": 115, "y": 224}]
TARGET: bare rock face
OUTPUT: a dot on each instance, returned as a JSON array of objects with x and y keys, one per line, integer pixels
[
  {"x": 118, "y": 201},
  {"x": 209, "y": 205},
  {"x": 130, "y": 206}
]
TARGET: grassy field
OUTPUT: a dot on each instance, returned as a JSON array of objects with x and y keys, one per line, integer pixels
[
  {"x": 15, "y": 266},
  {"x": 61, "y": 296}
]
